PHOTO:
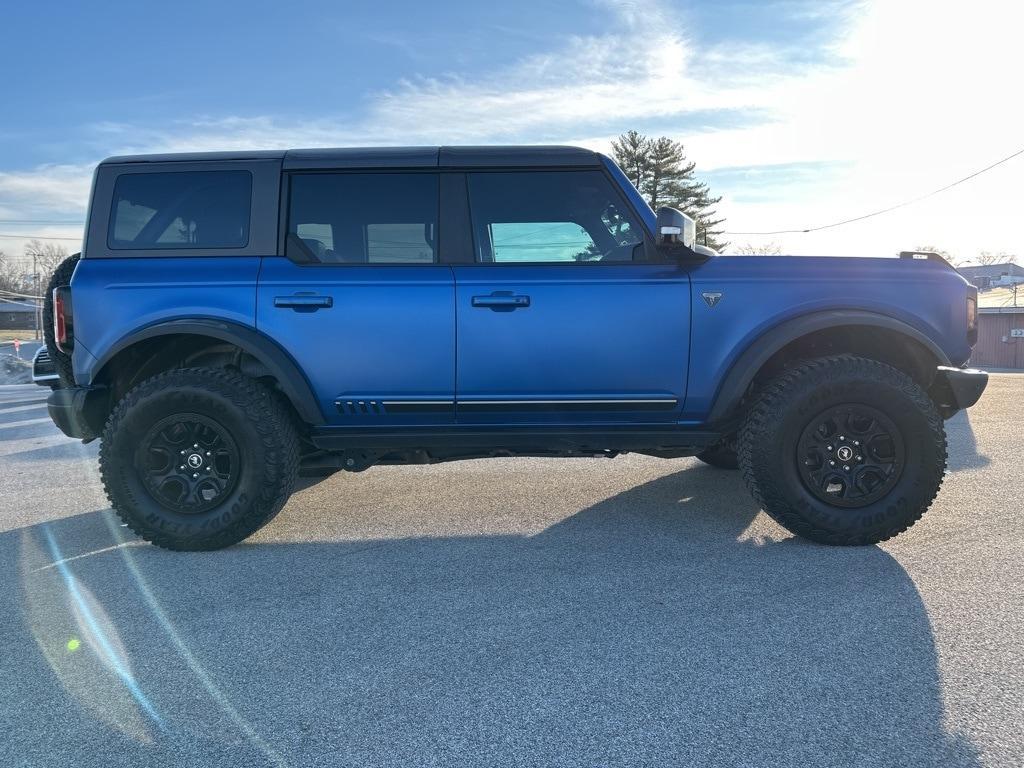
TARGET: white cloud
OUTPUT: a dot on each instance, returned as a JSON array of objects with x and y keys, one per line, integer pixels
[
  {"x": 929, "y": 95},
  {"x": 51, "y": 191},
  {"x": 914, "y": 95},
  {"x": 48, "y": 187}
]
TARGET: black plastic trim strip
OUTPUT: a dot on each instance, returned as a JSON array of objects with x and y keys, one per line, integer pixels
[
  {"x": 758, "y": 352},
  {"x": 288, "y": 374},
  {"x": 603, "y": 406},
  {"x": 533, "y": 437}
]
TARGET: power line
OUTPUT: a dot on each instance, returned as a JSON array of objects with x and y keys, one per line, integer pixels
[
  {"x": 22, "y": 302},
  {"x": 41, "y": 221},
  {"x": 13, "y": 295},
  {"x": 883, "y": 210},
  {"x": 40, "y": 237},
  {"x": 1012, "y": 297}
]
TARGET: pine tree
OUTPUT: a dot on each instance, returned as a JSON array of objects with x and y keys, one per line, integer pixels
[
  {"x": 631, "y": 154},
  {"x": 660, "y": 170}
]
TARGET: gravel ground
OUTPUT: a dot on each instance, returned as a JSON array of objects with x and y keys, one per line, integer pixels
[{"x": 588, "y": 612}]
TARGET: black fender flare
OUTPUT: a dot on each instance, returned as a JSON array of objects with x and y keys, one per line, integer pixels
[
  {"x": 759, "y": 351},
  {"x": 278, "y": 362}
]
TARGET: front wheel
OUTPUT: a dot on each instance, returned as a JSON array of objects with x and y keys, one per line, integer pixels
[
  {"x": 199, "y": 458},
  {"x": 843, "y": 450}
]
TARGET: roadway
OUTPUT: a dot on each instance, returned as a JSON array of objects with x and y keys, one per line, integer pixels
[{"x": 584, "y": 612}]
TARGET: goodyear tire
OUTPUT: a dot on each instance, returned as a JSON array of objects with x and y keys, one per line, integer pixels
[
  {"x": 199, "y": 458},
  {"x": 843, "y": 450},
  {"x": 61, "y": 362},
  {"x": 722, "y": 455}
]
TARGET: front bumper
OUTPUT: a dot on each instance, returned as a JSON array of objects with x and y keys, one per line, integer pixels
[
  {"x": 78, "y": 411},
  {"x": 957, "y": 388}
]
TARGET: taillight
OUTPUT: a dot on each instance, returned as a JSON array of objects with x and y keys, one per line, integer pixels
[
  {"x": 972, "y": 319},
  {"x": 62, "y": 332}
]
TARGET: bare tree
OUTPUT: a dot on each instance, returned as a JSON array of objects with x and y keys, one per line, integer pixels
[
  {"x": 45, "y": 257},
  {"x": 761, "y": 249},
  {"x": 11, "y": 276},
  {"x": 993, "y": 257}
]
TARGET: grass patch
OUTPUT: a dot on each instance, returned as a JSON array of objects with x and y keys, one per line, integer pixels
[{"x": 28, "y": 335}]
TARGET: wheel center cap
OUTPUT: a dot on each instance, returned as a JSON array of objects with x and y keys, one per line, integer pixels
[
  {"x": 845, "y": 453},
  {"x": 195, "y": 460}
]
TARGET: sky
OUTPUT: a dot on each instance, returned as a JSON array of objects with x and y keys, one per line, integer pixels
[{"x": 797, "y": 113}]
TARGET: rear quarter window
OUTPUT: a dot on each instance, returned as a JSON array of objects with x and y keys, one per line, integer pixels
[{"x": 181, "y": 210}]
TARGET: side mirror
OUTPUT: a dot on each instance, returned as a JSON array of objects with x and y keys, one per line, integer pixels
[{"x": 675, "y": 228}]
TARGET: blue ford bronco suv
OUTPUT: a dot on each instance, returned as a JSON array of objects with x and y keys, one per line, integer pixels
[{"x": 237, "y": 320}]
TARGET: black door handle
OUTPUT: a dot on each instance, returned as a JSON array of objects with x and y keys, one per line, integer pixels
[
  {"x": 303, "y": 303},
  {"x": 501, "y": 302}
]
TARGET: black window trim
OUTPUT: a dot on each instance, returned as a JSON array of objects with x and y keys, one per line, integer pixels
[
  {"x": 456, "y": 246},
  {"x": 263, "y": 225},
  {"x": 285, "y": 213}
]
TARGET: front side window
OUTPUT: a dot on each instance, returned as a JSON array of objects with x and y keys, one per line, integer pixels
[
  {"x": 186, "y": 209},
  {"x": 541, "y": 241},
  {"x": 363, "y": 218},
  {"x": 550, "y": 216}
]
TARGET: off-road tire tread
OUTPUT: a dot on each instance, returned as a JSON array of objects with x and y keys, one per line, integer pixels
[
  {"x": 61, "y": 362},
  {"x": 768, "y": 408},
  {"x": 264, "y": 411}
]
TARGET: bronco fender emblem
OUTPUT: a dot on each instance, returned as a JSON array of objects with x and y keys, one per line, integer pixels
[{"x": 711, "y": 298}]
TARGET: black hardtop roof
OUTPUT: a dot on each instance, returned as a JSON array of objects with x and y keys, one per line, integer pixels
[{"x": 390, "y": 157}]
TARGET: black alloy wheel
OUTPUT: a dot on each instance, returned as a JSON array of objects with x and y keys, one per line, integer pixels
[
  {"x": 188, "y": 463},
  {"x": 850, "y": 456}
]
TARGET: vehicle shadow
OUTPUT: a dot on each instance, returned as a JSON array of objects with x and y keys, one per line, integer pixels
[
  {"x": 963, "y": 452},
  {"x": 649, "y": 628}
]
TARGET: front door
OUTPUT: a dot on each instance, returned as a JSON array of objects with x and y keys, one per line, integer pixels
[
  {"x": 560, "y": 318},
  {"x": 361, "y": 302}
]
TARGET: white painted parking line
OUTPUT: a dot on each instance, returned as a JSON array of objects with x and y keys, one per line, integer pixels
[
  {"x": 26, "y": 422},
  {"x": 13, "y": 447},
  {"x": 33, "y": 406}
]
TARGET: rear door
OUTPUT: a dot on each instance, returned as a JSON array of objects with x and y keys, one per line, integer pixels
[
  {"x": 172, "y": 240},
  {"x": 561, "y": 319},
  {"x": 360, "y": 300}
]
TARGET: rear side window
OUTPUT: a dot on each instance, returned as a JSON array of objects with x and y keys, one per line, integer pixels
[
  {"x": 363, "y": 218},
  {"x": 550, "y": 217},
  {"x": 188, "y": 209}
]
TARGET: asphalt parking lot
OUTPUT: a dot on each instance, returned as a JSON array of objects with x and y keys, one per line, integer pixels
[{"x": 585, "y": 612}]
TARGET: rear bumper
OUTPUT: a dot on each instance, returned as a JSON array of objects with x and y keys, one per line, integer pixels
[
  {"x": 43, "y": 370},
  {"x": 957, "y": 388},
  {"x": 78, "y": 411}
]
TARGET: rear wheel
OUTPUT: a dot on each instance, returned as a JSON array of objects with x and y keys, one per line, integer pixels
[
  {"x": 199, "y": 458},
  {"x": 61, "y": 361},
  {"x": 843, "y": 450}
]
